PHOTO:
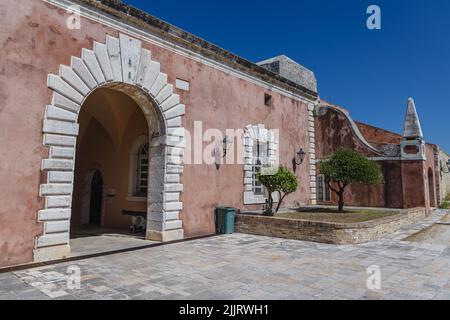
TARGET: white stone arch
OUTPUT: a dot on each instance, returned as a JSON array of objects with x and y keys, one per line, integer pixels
[
  {"x": 253, "y": 133},
  {"x": 120, "y": 64}
]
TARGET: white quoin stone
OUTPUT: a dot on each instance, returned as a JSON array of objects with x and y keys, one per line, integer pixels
[
  {"x": 52, "y": 240},
  {"x": 152, "y": 73},
  {"x": 60, "y": 177},
  {"x": 160, "y": 82},
  {"x": 54, "y": 214},
  {"x": 91, "y": 62},
  {"x": 164, "y": 94},
  {"x": 174, "y": 169},
  {"x": 58, "y": 140},
  {"x": 113, "y": 47},
  {"x": 177, "y": 132},
  {"x": 61, "y": 127},
  {"x": 173, "y": 187},
  {"x": 172, "y": 178},
  {"x": 172, "y": 215},
  {"x": 68, "y": 75},
  {"x": 103, "y": 60},
  {"x": 56, "y": 226},
  {"x": 64, "y": 103},
  {"x": 177, "y": 111},
  {"x": 59, "y": 85},
  {"x": 56, "y": 113},
  {"x": 174, "y": 123},
  {"x": 83, "y": 72},
  {"x": 58, "y": 202},
  {"x": 57, "y": 164},
  {"x": 172, "y": 197},
  {"x": 130, "y": 50},
  {"x": 173, "y": 159},
  {"x": 144, "y": 65},
  {"x": 62, "y": 153},
  {"x": 171, "y": 102},
  {"x": 172, "y": 225},
  {"x": 175, "y": 141},
  {"x": 173, "y": 206}
]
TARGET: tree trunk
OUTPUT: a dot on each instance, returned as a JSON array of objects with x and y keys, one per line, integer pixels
[
  {"x": 269, "y": 209},
  {"x": 280, "y": 200},
  {"x": 341, "y": 202}
]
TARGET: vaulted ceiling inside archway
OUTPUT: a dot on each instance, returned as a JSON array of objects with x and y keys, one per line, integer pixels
[{"x": 113, "y": 110}]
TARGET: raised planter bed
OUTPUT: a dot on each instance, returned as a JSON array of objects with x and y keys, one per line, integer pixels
[{"x": 327, "y": 232}]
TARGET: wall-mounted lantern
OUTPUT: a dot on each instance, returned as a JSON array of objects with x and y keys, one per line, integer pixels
[
  {"x": 448, "y": 167},
  {"x": 226, "y": 145},
  {"x": 300, "y": 156}
]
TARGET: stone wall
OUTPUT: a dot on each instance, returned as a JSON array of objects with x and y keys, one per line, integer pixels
[{"x": 325, "y": 232}]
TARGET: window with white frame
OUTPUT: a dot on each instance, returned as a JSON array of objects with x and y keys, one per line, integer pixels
[
  {"x": 260, "y": 153},
  {"x": 261, "y": 150},
  {"x": 323, "y": 190},
  {"x": 142, "y": 171}
]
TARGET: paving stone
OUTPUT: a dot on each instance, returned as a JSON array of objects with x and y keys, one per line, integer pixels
[{"x": 243, "y": 266}]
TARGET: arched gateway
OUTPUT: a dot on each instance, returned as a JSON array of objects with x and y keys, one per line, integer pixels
[{"x": 123, "y": 65}]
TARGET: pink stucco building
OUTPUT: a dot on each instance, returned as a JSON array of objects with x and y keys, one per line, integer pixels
[
  {"x": 105, "y": 109},
  {"x": 84, "y": 93}
]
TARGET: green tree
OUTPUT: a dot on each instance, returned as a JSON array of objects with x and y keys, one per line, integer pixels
[
  {"x": 346, "y": 167},
  {"x": 283, "y": 182}
]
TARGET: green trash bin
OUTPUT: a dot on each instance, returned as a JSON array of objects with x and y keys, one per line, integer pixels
[{"x": 224, "y": 220}]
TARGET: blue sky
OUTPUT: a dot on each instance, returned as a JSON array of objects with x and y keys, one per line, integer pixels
[{"x": 370, "y": 72}]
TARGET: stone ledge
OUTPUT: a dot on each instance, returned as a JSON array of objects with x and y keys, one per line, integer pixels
[
  {"x": 165, "y": 236},
  {"x": 327, "y": 232}
]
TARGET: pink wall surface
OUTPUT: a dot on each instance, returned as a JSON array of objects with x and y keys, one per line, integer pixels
[
  {"x": 406, "y": 182},
  {"x": 35, "y": 41}
]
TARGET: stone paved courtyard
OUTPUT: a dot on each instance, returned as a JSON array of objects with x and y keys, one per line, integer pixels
[{"x": 242, "y": 266}]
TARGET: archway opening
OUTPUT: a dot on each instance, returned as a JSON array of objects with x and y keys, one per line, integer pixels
[
  {"x": 112, "y": 170},
  {"x": 431, "y": 188}
]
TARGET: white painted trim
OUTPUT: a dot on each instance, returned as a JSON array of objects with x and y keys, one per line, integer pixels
[
  {"x": 253, "y": 133},
  {"x": 312, "y": 152}
]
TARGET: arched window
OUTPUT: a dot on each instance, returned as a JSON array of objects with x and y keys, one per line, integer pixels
[
  {"x": 142, "y": 171},
  {"x": 139, "y": 169}
]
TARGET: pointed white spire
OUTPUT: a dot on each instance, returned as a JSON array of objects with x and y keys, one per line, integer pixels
[{"x": 412, "y": 124}]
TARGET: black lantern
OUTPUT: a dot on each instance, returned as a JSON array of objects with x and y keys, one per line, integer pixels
[
  {"x": 301, "y": 156},
  {"x": 226, "y": 145}
]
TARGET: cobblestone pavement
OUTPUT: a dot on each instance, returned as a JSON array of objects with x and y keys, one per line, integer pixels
[{"x": 242, "y": 266}]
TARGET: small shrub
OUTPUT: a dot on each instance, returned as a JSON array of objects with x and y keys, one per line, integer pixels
[
  {"x": 445, "y": 205},
  {"x": 346, "y": 167},
  {"x": 283, "y": 181}
]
